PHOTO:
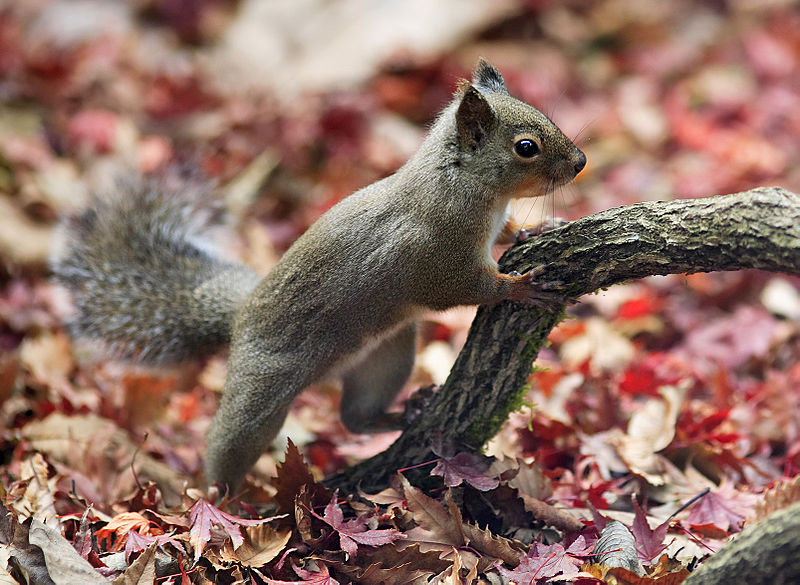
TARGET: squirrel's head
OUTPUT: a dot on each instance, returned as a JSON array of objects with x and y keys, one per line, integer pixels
[{"x": 508, "y": 142}]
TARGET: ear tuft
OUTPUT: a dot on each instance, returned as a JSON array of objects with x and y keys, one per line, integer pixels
[
  {"x": 474, "y": 118},
  {"x": 488, "y": 78}
]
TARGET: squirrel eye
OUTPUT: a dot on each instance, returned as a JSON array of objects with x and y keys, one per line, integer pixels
[{"x": 526, "y": 148}]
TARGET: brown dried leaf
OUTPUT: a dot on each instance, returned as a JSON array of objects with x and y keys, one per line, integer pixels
[
  {"x": 623, "y": 576},
  {"x": 782, "y": 495},
  {"x": 142, "y": 571},
  {"x": 23, "y": 241},
  {"x": 261, "y": 544},
  {"x": 9, "y": 368},
  {"x": 530, "y": 479},
  {"x": 79, "y": 440},
  {"x": 293, "y": 474},
  {"x": 401, "y": 571},
  {"x": 64, "y": 564},
  {"x": 409, "y": 555},
  {"x": 28, "y": 556},
  {"x": 37, "y": 500},
  {"x": 551, "y": 515},
  {"x": 492, "y": 545},
  {"x": 435, "y": 523},
  {"x": 48, "y": 357}
]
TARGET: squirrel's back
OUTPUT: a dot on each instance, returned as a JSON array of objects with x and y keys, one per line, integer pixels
[{"x": 144, "y": 278}]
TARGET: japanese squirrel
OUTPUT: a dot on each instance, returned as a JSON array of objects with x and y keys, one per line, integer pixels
[{"x": 345, "y": 298}]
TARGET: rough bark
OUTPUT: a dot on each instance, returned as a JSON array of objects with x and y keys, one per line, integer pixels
[
  {"x": 767, "y": 553},
  {"x": 754, "y": 229}
]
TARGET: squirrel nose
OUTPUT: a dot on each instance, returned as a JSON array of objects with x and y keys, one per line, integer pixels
[{"x": 580, "y": 163}]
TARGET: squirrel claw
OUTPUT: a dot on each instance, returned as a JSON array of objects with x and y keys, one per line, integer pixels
[
  {"x": 543, "y": 294},
  {"x": 547, "y": 225}
]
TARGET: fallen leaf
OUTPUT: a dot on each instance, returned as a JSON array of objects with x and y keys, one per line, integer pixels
[
  {"x": 469, "y": 467},
  {"x": 543, "y": 562},
  {"x": 142, "y": 571},
  {"x": 16, "y": 540},
  {"x": 616, "y": 547},
  {"x": 261, "y": 544},
  {"x": 651, "y": 429},
  {"x": 204, "y": 517},
  {"x": 724, "y": 507},
  {"x": 293, "y": 473},
  {"x": 649, "y": 541},
  {"x": 120, "y": 525},
  {"x": 600, "y": 344},
  {"x": 64, "y": 564},
  {"x": 354, "y": 532},
  {"x": 781, "y": 495},
  {"x": 319, "y": 577},
  {"x": 490, "y": 544},
  {"x": 435, "y": 523}
]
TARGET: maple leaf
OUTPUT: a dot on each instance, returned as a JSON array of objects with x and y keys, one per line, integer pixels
[
  {"x": 122, "y": 525},
  {"x": 436, "y": 524},
  {"x": 321, "y": 577},
  {"x": 355, "y": 531},
  {"x": 649, "y": 541},
  {"x": 138, "y": 542},
  {"x": 203, "y": 517},
  {"x": 293, "y": 473},
  {"x": 724, "y": 507},
  {"x": 543, "y": 562},
  {"x": 262, "y": 544},
  {"x": 469, "y": 467}
]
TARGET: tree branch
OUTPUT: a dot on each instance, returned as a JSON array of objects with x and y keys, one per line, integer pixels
[
  {"x": 755, "y": 229},
  {"x": 767, "y": 553}
]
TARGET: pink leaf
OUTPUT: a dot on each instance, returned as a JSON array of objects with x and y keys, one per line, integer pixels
[
  {"x": 649, "y": 541},
  {"x": 724, "y": 507},
  {"x": 321, "y": 577},
  {"x": 203, "y": 516},
  {"x": 469, "y": 467},
  {"x": 544, "y": 562},
  {"x": 354, "y": 532}
]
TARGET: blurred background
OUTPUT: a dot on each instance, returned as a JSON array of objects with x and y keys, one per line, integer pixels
[
  {"x": 291, "y": 106},
  {"x": 318, "y": 98}
]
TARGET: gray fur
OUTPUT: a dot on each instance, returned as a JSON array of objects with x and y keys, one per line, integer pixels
[{"x": 138, "y": 281}]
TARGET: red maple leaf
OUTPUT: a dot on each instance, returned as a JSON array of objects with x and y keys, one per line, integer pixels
[
  {"x": 724, "y": 507},
  {"x": 469, "y": 467},
  {"x": 138, "y": 542},
  {"x": 355, "y": 531},
  {"x": 546, "y": 561},
  {"x": 321, "y": 577},
  {"x": 649, "y": 541},
  {"x": 203, "y": 516}
]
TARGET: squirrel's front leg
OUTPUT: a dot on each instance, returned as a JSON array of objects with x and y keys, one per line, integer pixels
[{"x": 494, "y": 287}]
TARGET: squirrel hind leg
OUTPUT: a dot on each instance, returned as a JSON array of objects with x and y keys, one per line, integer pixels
[{"x": 370, "y": 386}]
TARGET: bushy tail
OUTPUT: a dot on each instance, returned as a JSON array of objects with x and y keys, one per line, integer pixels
[{"x": 142, "y": 277}]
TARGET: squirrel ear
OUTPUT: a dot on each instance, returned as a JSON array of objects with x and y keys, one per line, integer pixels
[
  {"x": 474, "y": 118},
  {"x": 487, "y": 77}
]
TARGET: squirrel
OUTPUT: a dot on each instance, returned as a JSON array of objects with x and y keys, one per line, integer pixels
[{"x": 345, "y": 298}]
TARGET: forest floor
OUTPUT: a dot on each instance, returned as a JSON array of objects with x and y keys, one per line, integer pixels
[{"x": 652, "y": 395}]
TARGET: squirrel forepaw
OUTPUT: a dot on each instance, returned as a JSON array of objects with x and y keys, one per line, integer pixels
[{"x": 544, "y": 294}]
